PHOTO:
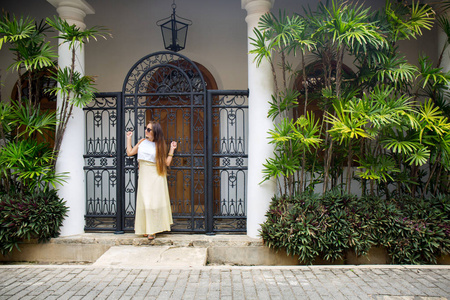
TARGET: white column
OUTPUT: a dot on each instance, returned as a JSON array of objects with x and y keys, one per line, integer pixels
[
  {"x": 261, "y": 87},
  {"x": 70, "y": 157}
]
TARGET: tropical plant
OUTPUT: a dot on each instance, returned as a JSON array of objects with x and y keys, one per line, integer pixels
[
  {"x": 26, "y": 164},
  {"x": 293, "y": 139},
  {"x": 340, "y": 27},
  {"x": 32, "y": 52},
  {"x": 29, "y": 204},
  {"x": 380, "y": 118},
  {"x": 74, "y": 88},
  {"x": 311, "y": 226},
  {"x": 26, "y": 216}
]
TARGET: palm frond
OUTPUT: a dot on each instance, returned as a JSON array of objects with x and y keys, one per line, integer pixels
[
  {"x": 73, "y": 35},
  {"x": 401, "y": 146},
  {"x": 261, "y": 46},
  {"x": 430, "y": 75},
  {"x": 419, "y": 157},
  {"x": 13, "y": 30}
]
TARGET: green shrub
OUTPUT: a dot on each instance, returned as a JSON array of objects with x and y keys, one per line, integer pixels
[
  {"x": 422, "y": 231},
  {"x": 413, "y": 231},
  {"x": 23, "y": 217}
]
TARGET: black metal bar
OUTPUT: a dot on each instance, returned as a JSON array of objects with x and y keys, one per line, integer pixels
[
  {"x": 120, "y": 134},
  {"x": 192, "y": 192},
  {"x": 230, "y": 92},
  {"x": 174, "y": 94},
  {"x": 165, "y": 106},
  {"x": 99, "y": 168},
  {"x": 209, "y": 167}
]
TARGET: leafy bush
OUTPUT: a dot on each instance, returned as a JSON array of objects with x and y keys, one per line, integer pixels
[
  {"x": 423, "y": 230},
  {"x": 27, "y": 216},
  {"x": 413, "y": 231}
]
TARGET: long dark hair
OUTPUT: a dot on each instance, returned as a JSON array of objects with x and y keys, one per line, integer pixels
[{"x": 161, "y": 148}]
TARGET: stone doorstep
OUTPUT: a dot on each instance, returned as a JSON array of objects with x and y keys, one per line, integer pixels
[
  {"x": 134, "y": 256},
  {"x": 169, "y": 239},
  {"x": 180, "y": 240}
]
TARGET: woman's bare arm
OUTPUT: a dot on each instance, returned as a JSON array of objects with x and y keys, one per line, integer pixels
[
  {"x": 130, "y": 149},
  {"x": 173, "y": 146}
]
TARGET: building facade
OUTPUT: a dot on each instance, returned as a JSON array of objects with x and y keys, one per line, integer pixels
[{"x": 213, "y": 184}]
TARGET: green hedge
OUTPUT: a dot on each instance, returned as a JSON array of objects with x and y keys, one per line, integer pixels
[
  {"x": 23, "y": 217},
  {"x": 414, "y": 231}
]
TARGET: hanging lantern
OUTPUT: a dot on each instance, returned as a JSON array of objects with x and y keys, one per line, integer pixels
[{"x": 174, "y": 31}]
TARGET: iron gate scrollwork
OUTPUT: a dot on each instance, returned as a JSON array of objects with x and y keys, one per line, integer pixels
[
  {"x": 227, "y": 160},
  {"x": 101, "y": 162},
  {"x": 207, "y": 179}
]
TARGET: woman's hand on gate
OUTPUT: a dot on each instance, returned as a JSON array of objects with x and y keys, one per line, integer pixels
[
  {"x": 173, "y": 146},
  {"x": 130, "y": 149}
]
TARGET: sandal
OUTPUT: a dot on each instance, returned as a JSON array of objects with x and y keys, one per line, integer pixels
[{"x": 151, "y": 236}]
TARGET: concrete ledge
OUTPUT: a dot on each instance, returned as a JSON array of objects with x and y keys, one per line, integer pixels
[
  {"x": 239, "y": 250},
  {"x": 257, "y": 256},
  {"x": 375, "y": 256},
  {"x": 249, "y": 256},
  {"x": 56, "y": 253}
]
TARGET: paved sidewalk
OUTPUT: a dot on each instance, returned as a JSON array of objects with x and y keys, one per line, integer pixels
[{"x": 224, "y": 282}]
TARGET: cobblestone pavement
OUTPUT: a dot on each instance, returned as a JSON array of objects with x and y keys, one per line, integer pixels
[{"x": 224, "y": 282}]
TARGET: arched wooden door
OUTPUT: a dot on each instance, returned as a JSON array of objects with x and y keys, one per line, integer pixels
[{"x": 177, "y": 126}]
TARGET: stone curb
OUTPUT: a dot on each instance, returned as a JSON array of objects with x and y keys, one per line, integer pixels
[
  {"x": 227, "y": 267},
  {"x": 221, "y": 250}
]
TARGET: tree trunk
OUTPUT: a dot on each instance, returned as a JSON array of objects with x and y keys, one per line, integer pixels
[
  {"x": 305, "y": 83},
  {"x": 437, "y": 181},
  {"x": 349, "y": 167},
  {"x": 30, "y": 89},
  {"x": 328, "y": 165},
  {"x": 19, "y": 84},
  {"x": 431, "y": 175},
  {"x": 303, "y": 172},
  {"x": 414, "y": 171}
]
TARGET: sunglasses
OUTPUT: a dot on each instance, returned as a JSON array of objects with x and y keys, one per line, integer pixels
[{"x": 148, "y": 129}]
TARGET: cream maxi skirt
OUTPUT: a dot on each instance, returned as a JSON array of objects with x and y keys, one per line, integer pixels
[{"x": 153, "y": 212}]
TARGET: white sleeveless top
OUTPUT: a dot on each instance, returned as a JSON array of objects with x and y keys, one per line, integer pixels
[{"x": 147, "y": 151}]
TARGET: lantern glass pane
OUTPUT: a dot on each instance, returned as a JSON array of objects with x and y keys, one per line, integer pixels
[{"x": 174, "y": 35}]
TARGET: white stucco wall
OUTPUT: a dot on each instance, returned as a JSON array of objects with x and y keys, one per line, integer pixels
[{"x": 217, "y": 39}]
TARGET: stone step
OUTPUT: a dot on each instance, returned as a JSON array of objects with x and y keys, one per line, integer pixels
[
  {"x": 140, "y": 256},
  {"x": 167, "y": 239}
]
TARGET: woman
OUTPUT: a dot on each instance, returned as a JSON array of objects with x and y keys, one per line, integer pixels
[{"x": 153, "y": 212}]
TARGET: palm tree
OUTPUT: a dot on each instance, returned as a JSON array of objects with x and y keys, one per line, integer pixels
[
  {"x": 22, "y": 121},
  {"x": 31, "y": 50},
  {"x": 283, "y": 35},
  {"x": 341, "y": 28},
  {"x": 75, "y": 89}
]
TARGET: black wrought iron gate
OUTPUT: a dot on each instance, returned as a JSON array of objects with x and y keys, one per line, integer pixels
[{"x": 208, "y": 176}]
